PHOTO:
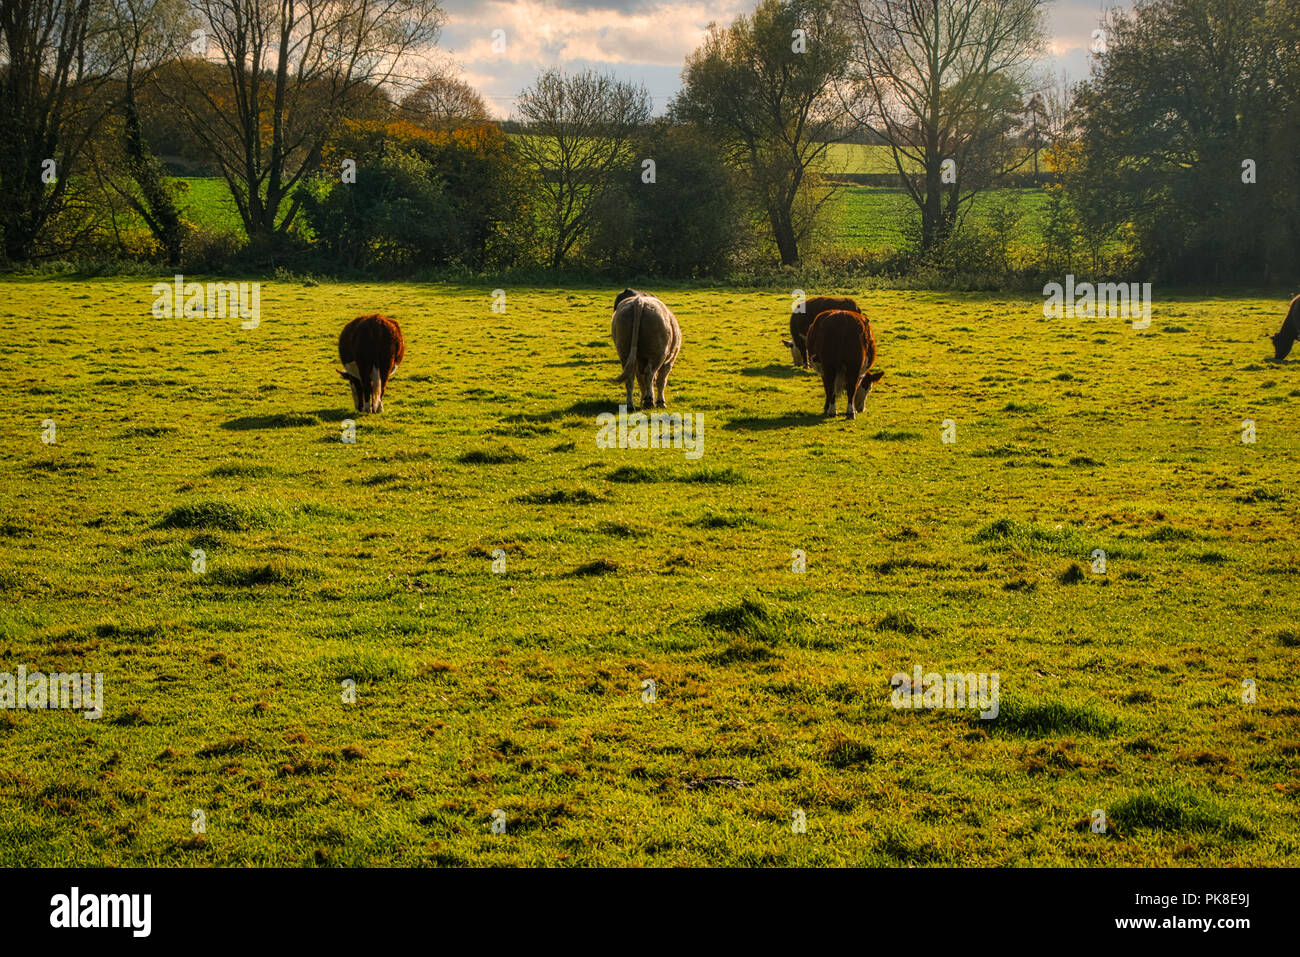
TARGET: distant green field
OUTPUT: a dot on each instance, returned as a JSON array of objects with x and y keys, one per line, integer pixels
[
  {"x": 861, "y": 158},
  {"x": 519, "y": 692},
  {"x": 207, "y": 202},
  {"x": 875, "y": 218},
  {"x": 863, "y": 217}
]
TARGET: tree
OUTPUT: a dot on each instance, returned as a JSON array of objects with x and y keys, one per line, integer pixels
[
  {"x": 51, "y": 82},
  {"x": 420, "y": 198},
  {"x": 142, "y": 34},
  {"x": 766, "y": 88},
  {"x": 577, "y": 135},
  {"x": 688, "y": 222},
  {"x": 943, "y": 81},
  {"x": 1189, "y": 130},
  {"x": 443, "y": 102},
  {"x": 1036, "y": 129},
  {"x": 292, "y": 71}
]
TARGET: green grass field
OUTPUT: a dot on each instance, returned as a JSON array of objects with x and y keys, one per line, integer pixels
[
  {"x": 867, "y": 218},
  {"x": 872, "y": 218},
  {"x": 521, "y": 691}
]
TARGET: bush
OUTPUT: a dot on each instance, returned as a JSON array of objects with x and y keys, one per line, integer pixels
[
  {"x": 687, "y": 223},
  {"x": 421, "y": 198}
]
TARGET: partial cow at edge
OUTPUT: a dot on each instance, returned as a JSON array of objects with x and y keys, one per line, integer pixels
[
  {"x": 370, "y": 348},
  {"x": 842, "y": 349},
  {"x": 1285, "y": 337},
  {"x": 800, "y": 321},
  {"x": 648, "y": 338}
]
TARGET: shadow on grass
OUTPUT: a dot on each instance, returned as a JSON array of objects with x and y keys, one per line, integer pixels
[
  {"x": 774, "y": 370},
  {"x": 587, "y": 409},
  {"x": 277, "y": 420},
  {"x": 759, "y": 423}
]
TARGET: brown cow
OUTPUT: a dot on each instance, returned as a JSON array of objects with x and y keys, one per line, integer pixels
[
  {"x": 842, "y": 348},
  {"x": 1285, "y": 337},
  {"x": 801, "y": 319},
  {"x": 370, "y": 348}
]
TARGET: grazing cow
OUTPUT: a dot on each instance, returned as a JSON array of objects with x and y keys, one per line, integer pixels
[
  {"x": 647, "y": 338},
  {"x": 370, "y": 348},
  {"x": 1285, "y": 337},
  {"x": 800, "y": 321},
  {"x": 842, "y": 348}
]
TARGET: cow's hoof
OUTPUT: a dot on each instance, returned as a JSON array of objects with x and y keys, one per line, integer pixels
[
  {"x": 661, "y": 404},
  {"x": 850, "y": 416}
]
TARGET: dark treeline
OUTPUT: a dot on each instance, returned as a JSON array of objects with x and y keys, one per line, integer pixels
[{"x": 1178, "y": 159}]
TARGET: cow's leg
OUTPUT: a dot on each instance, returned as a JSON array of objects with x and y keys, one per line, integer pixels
[
  {"x": 828, "y": 383},
  {"x": 645, "y": 376},
  {"x": 661, "y": 383},
  {"x": 852, "y": 373}
]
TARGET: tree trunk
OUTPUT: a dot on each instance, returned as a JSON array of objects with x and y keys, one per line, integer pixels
[{"x": 159, "y": 210}]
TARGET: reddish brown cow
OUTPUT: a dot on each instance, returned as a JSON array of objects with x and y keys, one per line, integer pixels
[
  {"x": 370, "y": 348},
  {"x": 842, "y": 348},
  {"x": 801, "y": 320},
  {"x": 1285, "y": 337}
]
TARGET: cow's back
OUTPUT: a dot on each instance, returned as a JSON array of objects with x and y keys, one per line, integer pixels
[
  {"x": 659, "y": 337},
  {"x": 372, "y": 341},
  {"x": 839, "y": 335},
  {"x": 812, "y": 308}
]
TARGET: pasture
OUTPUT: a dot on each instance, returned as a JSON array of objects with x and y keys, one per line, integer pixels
[{"x": 521, "y": 690}]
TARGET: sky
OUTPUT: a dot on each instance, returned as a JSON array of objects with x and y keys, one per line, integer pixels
[{"x": 647, "y": 41}]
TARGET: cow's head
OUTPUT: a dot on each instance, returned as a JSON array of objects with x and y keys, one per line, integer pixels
[
  {"x": 864, "y": 389},
  {"x": 795, "y": 352},
  {"x": 625, "y": 294},
  {"x": 1282, "y": 343},
  {"x": 367, "y": 391}
]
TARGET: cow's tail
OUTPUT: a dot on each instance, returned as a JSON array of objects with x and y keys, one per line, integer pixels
[{"x": 629, "y": 367}]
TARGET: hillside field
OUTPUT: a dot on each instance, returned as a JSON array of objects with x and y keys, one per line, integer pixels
[{"x": 521, "y": 690}]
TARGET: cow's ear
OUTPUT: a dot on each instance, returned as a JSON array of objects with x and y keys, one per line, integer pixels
[
  {"x": 875, "y": 376},
  {"x": 345, "y": 375},
  {"x": 787, "y": 343}
]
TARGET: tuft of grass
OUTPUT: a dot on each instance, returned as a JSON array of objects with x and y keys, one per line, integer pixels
[
  {"x": 743, "y": 650},
  {"x": 241, "y": 470},
  {"x": 1170, "y": 533},
  {"x": 725, "y": 520},
  {"x": 886, "y": 435},
  {"x": 632, "y": 474},
  {"x": 1005, "y": 534},
  {"x": 1260, "y": 494},
  {"x": 1287, "y": 637},
  {"x": 842, "y": 751},
  {"x": 560, "y": 496},
  {"x": 1176, "y": 809},
  {"x": 600, "y": 566},
  {"x": 903, "y": 622},
  {"x": 221, "y": 515},
  {"x": 1049, "y": 716},
  {"x": 1073, "y": 574},
  {"x": 748, "y": 616},
  {"x": 272, "y": 573},
  {"x": 725, "y": 476},
  {"x": 500, "y": 456}
]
